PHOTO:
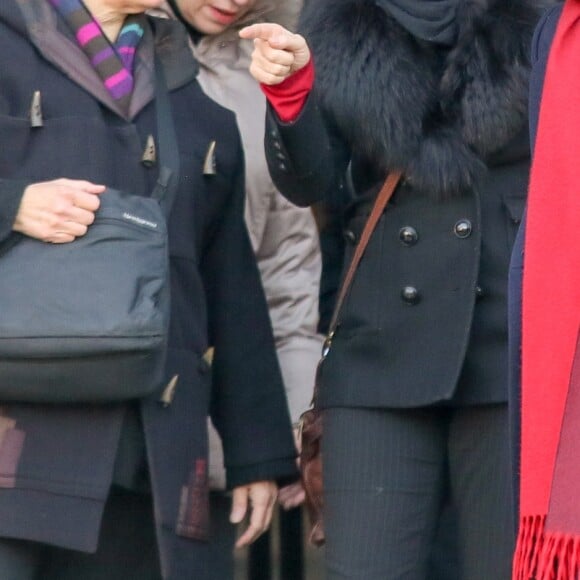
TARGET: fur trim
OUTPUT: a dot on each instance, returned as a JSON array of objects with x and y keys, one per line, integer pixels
[{"x": 403, "y": 103}]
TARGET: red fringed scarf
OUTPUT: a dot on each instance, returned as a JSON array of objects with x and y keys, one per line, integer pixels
[{"x": 548, "y": 546}]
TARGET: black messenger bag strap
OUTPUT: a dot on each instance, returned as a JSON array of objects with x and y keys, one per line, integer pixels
[{"x": 168, "y": 178}]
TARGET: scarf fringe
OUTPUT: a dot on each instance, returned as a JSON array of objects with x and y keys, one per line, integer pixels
[{"x": 542, "y": 555}]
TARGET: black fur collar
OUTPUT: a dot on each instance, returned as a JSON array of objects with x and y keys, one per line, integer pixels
[{"x": 438, "y": 113}]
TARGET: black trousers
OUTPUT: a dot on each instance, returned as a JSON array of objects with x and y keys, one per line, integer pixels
[
  {"x": 386, "y": 474},
  {"x": 127, "y": 548}
]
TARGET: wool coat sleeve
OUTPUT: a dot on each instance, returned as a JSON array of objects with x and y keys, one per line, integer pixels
[
  {"x": 249, "y": 406},
  {"x": 306, "y": 159}
]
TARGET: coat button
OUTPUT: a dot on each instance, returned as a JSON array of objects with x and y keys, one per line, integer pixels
[
  {"x": 408, "y": 236},
  {"x": 349, "y": 236},
  {"x": 479, "y": 292},
  {"x": 410, "y": 295},
  {"x": 462, "y": 229}
]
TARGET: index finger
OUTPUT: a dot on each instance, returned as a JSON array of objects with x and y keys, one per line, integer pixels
[
  {"x": 87, "y": 186},
  {"x": 86, "y": 201},
  {"x": 259, "y": 521},
  {"x": 274, "y": 34},
  {"x": 263, "y": 30}
]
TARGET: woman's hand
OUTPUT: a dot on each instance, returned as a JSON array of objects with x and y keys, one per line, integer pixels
[
  {"x": 278, "y": 53},
  {"x": 261, "y": 496},
  {"x": 58, "y": 211},
  {"x": 292, "y": 495}
]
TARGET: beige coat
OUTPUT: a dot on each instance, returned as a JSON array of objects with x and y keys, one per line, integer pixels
[{"x": 284, "y": 236}]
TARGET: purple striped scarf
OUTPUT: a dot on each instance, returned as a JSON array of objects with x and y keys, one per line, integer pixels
[{"x": 113, "y": 62}]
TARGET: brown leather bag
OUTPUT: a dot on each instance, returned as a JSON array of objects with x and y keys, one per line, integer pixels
[{"x": 311, "y": 420}]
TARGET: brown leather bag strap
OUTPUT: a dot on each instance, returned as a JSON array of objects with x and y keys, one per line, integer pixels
[{"x": 383, "y": 197}]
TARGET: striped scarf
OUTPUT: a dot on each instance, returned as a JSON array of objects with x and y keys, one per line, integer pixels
[{"x": 113, "y": 62}]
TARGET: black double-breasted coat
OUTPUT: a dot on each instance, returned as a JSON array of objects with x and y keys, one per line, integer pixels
[
  {"x": 426, "y": 319},
  {"x": 56, "y": 462}
]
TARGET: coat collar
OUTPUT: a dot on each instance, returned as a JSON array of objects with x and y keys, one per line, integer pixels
[
  {"x": 439, "y": 114},
  {"x": 57, "y": 45}
]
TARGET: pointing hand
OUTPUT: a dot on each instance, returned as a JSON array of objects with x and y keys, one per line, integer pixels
[{"x": 278, "y": 53}]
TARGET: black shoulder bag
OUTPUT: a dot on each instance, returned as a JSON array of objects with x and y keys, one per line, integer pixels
[{"x": 87, "y": 321}]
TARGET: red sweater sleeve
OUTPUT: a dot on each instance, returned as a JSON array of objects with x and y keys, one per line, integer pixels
[{"x": 288, "y": 98}]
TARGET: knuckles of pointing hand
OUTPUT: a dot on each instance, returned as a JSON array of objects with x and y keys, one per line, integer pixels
[{"x": 281, "y": 70}]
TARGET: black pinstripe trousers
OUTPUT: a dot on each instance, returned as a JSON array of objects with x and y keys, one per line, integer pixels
[{"x": 386, "y": 473}]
